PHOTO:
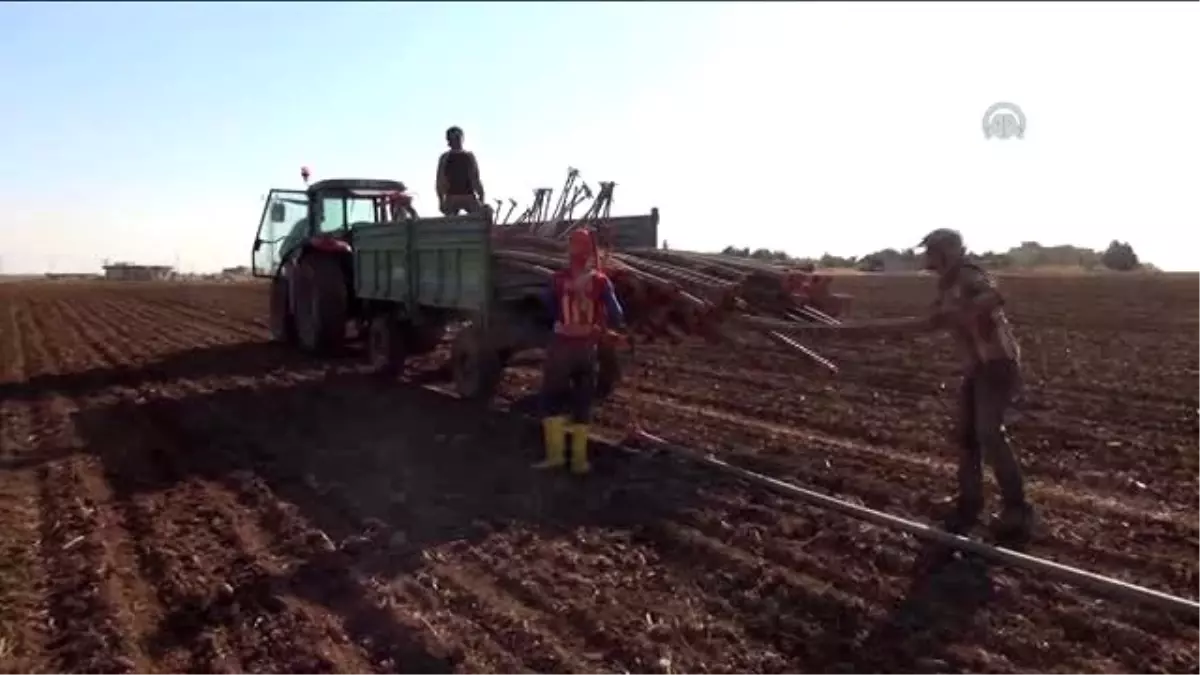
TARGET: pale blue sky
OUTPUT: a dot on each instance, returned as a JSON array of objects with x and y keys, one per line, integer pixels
[{"x": 151, "y": 131}]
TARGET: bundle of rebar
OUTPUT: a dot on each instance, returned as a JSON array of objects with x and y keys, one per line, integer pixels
[{"x": 669, "y": 294}]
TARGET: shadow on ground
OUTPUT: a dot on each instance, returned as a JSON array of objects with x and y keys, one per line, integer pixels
[
  {"x": 947, "y": 591},
  {"x": 242, "y": 359},
  {"x": 384, "y": 470},
  {"x": 388, "y": 471}
]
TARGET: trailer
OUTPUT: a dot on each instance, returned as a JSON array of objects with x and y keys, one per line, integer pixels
[{"x": 344, "y": 263}]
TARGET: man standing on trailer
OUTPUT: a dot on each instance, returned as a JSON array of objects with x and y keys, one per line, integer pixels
[
  {"x": 583, "y": 305},
  {"x": 458, "y": 185}
]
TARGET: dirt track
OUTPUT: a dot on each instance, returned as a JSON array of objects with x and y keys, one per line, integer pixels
[{"x": 177, "y": 495}]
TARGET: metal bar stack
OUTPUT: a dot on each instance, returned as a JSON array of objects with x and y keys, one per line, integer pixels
[
  {"x": 676, "y": 294},
  {"x": 667, "y": 294}
]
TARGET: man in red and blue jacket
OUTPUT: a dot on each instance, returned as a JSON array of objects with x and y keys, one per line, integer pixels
[{"x": 584, "y": 306}]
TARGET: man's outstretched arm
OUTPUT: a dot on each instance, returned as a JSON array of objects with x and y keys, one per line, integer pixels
[{"x": 869, "y": 327}]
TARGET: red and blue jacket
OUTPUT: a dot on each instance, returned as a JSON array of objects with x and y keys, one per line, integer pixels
[{"x": 583, "y": 306}]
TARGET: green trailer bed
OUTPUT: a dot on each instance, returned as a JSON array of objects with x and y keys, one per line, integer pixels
[
  {"x": 446, "y": 263},
  {"x": 414, "y": 278},
  {"x": 433, "y": 262}
]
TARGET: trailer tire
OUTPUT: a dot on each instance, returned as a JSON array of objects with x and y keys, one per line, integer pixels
[
  {"x": 608, "y": 371},
  {"x": 386, "y": 345},
  {"x": 320, "y": 304},
  {"x": 281, "y": 322},
  {"x": 475, "y": 366},
  {"x": 425, "y": 337}
]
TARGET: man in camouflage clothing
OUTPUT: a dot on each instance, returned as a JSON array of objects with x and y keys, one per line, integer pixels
[{"x": 969, "y": 307}]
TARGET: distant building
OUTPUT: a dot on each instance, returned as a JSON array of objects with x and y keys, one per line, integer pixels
[{"x": 131, "y": 272}]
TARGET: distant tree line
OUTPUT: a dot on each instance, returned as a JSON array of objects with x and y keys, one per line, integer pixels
[{"x": 1119, "y": 256}]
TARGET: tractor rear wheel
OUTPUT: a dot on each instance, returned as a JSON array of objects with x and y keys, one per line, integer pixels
[
  {"x": 475, "y": 364},
  {"x": 385, "y": 345},
  {"x": 320, "y": 304},
  {"x": 282, "y": 323}
]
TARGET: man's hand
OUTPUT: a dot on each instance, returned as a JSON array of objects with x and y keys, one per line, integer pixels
[
  {"x": 614, "y": 338},
  {"x": 867, "y": 328}
]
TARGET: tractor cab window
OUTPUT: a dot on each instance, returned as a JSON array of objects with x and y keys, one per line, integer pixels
[
  {"x": 360, "y": 210},
  {"x": 332, "y": 215},
  {"x": 338, "y": 213}
]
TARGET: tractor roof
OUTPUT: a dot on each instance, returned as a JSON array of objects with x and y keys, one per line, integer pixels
[{"x": 340, "y": 185}]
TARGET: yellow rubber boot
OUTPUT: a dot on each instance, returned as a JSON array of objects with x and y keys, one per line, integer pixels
[
  {"x": 579, "y": 448},
  {"x": 554, "y": 435}
]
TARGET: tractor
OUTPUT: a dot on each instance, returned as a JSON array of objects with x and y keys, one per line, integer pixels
[
  {"x": 353, "y": 253},
  {"x": 311, "y": 266}
]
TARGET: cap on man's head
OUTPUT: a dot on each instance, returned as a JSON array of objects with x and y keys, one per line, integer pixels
[
  {"x": 942, "y": 238},
  {"x": 454, "y": 131}
]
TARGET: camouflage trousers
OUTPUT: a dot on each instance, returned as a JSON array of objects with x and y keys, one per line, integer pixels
[{"x": 986, "y": 396}]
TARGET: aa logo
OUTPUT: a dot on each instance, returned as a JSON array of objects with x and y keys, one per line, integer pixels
[{"x": 1004, "y": 121}]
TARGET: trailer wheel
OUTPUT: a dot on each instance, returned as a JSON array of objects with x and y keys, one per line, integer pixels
[
  {"x": 282, "y": 323},
  {"x": 385, "y": 345},
  {"x": 475, "y": 365},
  {"x": 320, "y": 304},
  {"x": 425, "y": 337},
  {"x": 608, "y": 371}
]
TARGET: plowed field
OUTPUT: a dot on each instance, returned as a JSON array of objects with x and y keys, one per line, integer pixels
[{"x": 178, "y": 495}]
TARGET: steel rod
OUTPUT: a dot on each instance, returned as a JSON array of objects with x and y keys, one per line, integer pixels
[{"x": 1073, "y": 575}]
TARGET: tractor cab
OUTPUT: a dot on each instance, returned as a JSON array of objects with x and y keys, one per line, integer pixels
[{"x": 324, "y": 216}]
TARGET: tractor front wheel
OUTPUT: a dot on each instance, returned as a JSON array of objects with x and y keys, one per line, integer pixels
[{"x": 320, "y": 304}]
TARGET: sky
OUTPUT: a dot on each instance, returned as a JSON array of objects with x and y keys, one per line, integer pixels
[{"x": 151, "y": 131}]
